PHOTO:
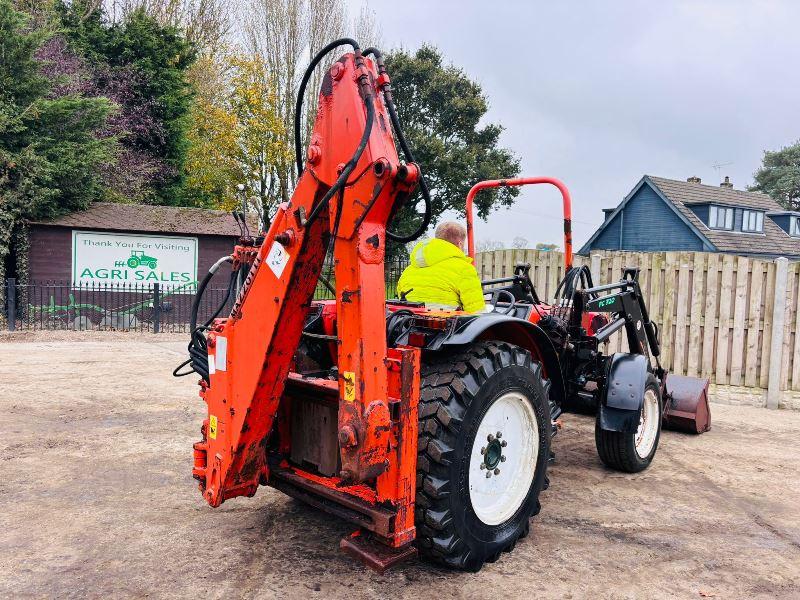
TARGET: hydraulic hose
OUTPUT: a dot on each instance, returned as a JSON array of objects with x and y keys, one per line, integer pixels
[
  {"x": 351, "y": 164},
  {"x": 198, "y": 347},
  {"x": 298, "y": 107},
  {"x": 409, "y": 155}
]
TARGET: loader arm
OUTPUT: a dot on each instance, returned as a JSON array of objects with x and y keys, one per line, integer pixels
[{"x": 350, "y": 197}]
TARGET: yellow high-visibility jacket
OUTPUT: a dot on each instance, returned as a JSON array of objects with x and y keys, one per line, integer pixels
[{"x": 441, "y": 276}]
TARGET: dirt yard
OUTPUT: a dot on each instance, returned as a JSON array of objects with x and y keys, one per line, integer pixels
[{"x": 97, "y": 500}]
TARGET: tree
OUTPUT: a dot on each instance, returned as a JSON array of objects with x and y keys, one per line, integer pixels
[
  {"x": 211, "y": 168},
  {"x": 237, "y": 137},
  {"x": 486, "y": 245},
  {"x": 779, "y": 176},
  {"x": 286, "y": 34},
  {"x": 520, "y": 243},
  {"x": 441, "y": 110},
  {"x": 50, "y": 150},
  {"x": 204, "y": 24},
  {"x": 143, "y": 66},
  {"x": 547, "y": 247}
]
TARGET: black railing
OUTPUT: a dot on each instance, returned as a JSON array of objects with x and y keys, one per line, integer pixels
[
  {"x": 394, "y": 267},
  {"x": 59, "y": 305}
]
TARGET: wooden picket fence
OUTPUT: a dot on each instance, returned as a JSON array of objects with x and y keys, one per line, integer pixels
[{"x": 718, "y": 313}]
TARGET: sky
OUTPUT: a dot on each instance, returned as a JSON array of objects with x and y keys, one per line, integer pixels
[{"x": 599, "y": 94}]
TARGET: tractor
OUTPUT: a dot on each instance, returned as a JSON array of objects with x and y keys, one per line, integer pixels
[
  {"x": 138, "y": 257},
  {"x": 430, "y": 430}
]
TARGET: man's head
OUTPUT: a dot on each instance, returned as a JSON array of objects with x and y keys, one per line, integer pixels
[{"x": 452, "y": 232}]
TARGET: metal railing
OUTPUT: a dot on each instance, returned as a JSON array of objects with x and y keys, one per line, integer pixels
[{"x": 61, "y": 305}]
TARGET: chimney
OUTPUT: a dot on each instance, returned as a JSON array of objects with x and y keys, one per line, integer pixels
[
  {"x": 693, "y": 179},
  {"x": 727, "y": 183}
]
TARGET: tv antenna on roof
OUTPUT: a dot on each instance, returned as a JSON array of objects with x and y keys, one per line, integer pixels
[{"x": 718, "y": 168}]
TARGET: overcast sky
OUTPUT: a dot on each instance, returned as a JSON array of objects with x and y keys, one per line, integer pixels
[{"x": 600, "y": 93}]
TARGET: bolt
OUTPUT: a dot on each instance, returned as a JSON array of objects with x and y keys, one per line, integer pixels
[
  {"x": 483, "y": 450},
  {"x": 314, "y": 154},
  {"x": 337, "y": 70},
  {"x": 497, "y": 471},
  {"x": 502, "y": 459},
  {"x": 504, "y": 443},
  {"x": 499, "y": 435},
  {"x": 488, "y": 474},
  {"x": 483, "y": 466},
  {"x": 490, "y": 437}
]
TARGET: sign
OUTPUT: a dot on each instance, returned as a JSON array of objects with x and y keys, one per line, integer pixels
[{"x": 133, "y": 259}]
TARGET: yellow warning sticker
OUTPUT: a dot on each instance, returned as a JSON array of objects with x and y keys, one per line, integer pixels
[
  {"x": 349, "y": 386},
  {"x": 212, "y": 427}
]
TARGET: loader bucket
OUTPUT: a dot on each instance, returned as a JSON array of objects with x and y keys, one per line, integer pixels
[{"x": 686, "y": 404}]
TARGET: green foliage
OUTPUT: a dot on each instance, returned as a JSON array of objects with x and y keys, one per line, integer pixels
[
  {"x": 440, "y": 109},
  {"x": 236, "y": 136},
  {"x": 49, "y": 153},
  {"x": 779, "y": 176},
  {"x": 157, "y": 92}
]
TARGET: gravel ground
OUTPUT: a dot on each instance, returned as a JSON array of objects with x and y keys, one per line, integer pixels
[{"x": 97, "y": 500}]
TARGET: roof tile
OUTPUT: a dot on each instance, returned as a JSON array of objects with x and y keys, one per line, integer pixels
[
  {"x": 774, "y": 240},
  {"x": 151, "y": 218}
]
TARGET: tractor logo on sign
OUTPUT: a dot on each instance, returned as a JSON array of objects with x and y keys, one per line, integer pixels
[{"x": 138, "y": 258}]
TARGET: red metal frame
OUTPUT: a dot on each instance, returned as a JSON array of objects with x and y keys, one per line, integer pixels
[{"x": 494, "y": 183}]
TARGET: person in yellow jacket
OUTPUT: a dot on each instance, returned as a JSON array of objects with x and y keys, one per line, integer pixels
[{"x": 441, "y": 275}]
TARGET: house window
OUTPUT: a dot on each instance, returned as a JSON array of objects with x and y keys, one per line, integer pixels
[
  {"x": 720, "y": 217},
  {"x": 752, "y": 221},
  {"x": 794, "y": 229}
]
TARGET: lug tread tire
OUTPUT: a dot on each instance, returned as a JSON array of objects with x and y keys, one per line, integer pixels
[
  {"x": 616, "y": 449},
  {"x": 449, "y": 384}
]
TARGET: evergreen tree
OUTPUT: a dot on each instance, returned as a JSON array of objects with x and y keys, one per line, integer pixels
[
  {"x": 143, "y": 66},
  {"x": 50, "y": 152},
  {"x": 779, "y": 176}
]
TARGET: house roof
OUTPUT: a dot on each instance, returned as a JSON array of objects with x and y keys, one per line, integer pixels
[
  {"x": 151, "y": 218},
  {"x": 683, "y": 194}
]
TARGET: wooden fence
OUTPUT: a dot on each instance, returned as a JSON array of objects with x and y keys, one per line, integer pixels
[{"x": 730, "y": 318}]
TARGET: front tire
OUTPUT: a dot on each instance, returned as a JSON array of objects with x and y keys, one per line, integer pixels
[
  {"x": 477, "y": 490},
  {"x": 633, "y": 452}
]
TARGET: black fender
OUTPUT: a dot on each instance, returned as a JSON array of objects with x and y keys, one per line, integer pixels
[
  {"x": 623, "y": 395},
  {"x": 506, "y": 328}
]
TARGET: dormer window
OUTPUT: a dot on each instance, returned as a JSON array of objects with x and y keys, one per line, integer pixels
[
  {"x": 795, "y": 227},
  {"x": 753, "y": 221},
  {"x": 720, "y": 217}
]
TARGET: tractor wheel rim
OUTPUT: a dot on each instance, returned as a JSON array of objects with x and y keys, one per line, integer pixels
[
  {"x": 648, "y": 425},
  {"x": 503, "y": 458}
]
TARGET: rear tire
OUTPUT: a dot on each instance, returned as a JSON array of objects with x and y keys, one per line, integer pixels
[
  {"x": 633, "y": 452},
  {"x": 463, "y": 517}
]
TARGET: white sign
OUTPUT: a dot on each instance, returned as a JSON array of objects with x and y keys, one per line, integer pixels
[
  {"x": 133, "y": 259},
  {"x": 277, "y": 259}
]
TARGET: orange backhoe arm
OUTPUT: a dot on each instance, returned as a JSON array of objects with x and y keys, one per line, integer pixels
[{"x": 251, "y": 351}]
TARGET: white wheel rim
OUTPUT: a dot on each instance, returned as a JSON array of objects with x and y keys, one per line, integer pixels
[
  {"x": 648, "y": 425},
  {"x": 496, "y": 497}
]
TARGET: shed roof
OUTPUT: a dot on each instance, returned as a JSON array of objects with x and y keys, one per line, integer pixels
[
  {"x": 683, "y": 194},
  {"x": 154, "y": 219}
]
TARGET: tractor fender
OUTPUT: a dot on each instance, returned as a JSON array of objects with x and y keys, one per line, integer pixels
[
  {"x": 506, "y": 328},
  {"x": 623, "y": 395}
]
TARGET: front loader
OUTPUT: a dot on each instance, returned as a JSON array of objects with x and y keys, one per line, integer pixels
[{"x": 429, "y": 430}]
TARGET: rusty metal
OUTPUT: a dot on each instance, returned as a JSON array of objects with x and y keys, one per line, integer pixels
[
  {"x": 686, "y": 404},
  {"x": 376, "y": 556}
]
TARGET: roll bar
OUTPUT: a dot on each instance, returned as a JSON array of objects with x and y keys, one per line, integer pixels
[{"x": 493, "y": 183}]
